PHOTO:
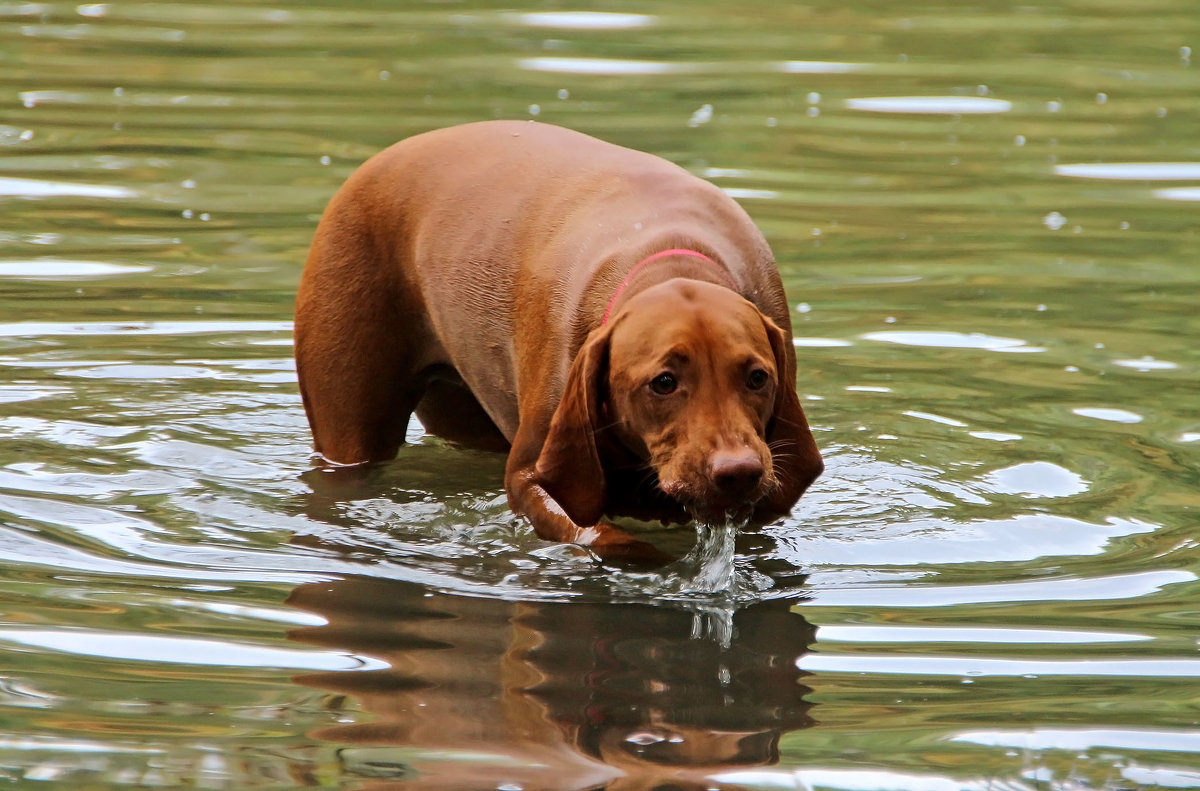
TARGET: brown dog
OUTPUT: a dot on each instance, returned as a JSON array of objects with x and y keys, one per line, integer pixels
[{"x": 615, "y": 322}]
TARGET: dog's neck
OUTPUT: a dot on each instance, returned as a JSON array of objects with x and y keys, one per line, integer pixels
[{"x": 673, "y": 253}]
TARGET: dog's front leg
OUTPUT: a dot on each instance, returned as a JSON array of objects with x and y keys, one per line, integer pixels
[{"x": 527, "y": 498}]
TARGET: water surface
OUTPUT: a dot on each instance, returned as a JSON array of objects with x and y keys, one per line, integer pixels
[{"x": 985, "y": 215}]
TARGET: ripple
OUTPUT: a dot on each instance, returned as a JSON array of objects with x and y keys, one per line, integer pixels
[
  {"x": 920, "y": 543},
  {"x": 930, "y": 105},
  {"x": 1087, "y": 739},
  {"x": 183, "y": 650},
  {"x": 57, "y": 269},
  {"x": 585, "y": 20},
  {"x": 1116, "y": 587},
  {"x": 1179, "y": 193},
  {"x": 741, "y": 193},
  {"x": 958, "y": 634},
  {"x": 1109, "y": 414},
  {"x": 36, "y": 329},
  {"x": 945, "y": 421},
  {"x": 1036, "y": 479},
  {"x": 1147, "y": 364},
  {"x": 38, "y": 188},
  {"x": 952, "y": 340},
  {"x": 977, "y": 667},
  {"x": 820, "y": 343},
  {"x": 1132, "y": 171},
  {"x": 818, "y": 67},
  {"x": 602, "y": 66}
]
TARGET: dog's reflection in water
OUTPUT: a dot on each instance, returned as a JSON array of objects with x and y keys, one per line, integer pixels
[{"x": 485, "y": 693}]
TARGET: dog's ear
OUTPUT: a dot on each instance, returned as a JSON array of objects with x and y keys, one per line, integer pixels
[
  {"x": 793, "y": 450},
  {"x": 569, "y": 466}
]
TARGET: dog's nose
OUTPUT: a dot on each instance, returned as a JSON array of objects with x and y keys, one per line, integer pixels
[{"x": 736, "y": 473}]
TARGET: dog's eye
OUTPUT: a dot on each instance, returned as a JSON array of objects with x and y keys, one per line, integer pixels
[
  {"x": 757, "y": 379},
  {"x": 664, "y": 384}
]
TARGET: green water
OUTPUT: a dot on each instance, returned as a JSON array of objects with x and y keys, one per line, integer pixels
[{"x": 986, "y": 217}]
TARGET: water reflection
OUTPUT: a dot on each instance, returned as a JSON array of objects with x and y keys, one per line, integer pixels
[{"x": 482, "y": 691}]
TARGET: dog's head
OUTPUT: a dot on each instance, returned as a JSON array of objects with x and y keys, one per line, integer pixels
[{"x": 695, "y": 381}]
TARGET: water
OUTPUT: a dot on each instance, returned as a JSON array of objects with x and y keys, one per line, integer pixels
[{"x": 985, "y": 216}]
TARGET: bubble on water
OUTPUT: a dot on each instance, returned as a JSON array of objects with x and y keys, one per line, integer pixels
[
  {"x": 1053, "y": 106},
  {"x": 188, "y": 184},
  {"x": 1161, "y": 112},
  {"x": 563, "y": 93},
  {"x": 702, "y": 116},
  {"x": 1054, "y": 221},
  {"x": 1019, "y": 140},
  {"x": 771, "y": 122},
  {"x": 385, "y": 75},
  {"x": 1102, "y": 98},
  {"x": 1185, "y": 56},
  {"x": 645, "y": 738},
  {"x": 187, "y": 214},
  {"x": 1124, "y": 226},
  {"x": 813, "y": 112},
  {"x": 535, "y": 109},
  {"x": 814, "y": 98},
  {"x": 982, "y": 90}
]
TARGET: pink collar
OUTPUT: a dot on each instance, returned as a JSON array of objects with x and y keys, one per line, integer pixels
[{"x": 650, "y": 259}]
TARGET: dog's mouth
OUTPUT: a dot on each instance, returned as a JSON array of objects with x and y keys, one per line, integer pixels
[{"x": 711, "y": 509}]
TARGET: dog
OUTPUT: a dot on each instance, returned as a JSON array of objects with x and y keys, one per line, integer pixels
[{"x": 614, "y": 323}]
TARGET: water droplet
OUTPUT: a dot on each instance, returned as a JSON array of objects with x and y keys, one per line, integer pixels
[
  {"x": 1019, "y": 140},
  {"x": 205, "y": 217},
  {"x": 118, "y": 91},
  {"x": 804, "y": 307},
  {"x": 814, "y": 98},
  {"x": 981, "y": 90},
  {"x": 187, "y": 214},
  {"x": 1124, "y": 226},
  {"x": 325, "y": 159},
  {"x": 813, "y": 112},
  {"x": 1053, "y": 106},
  {"x": 1102, "y": 98},
  {"x": 563, "y": 93},
  {"x": 535, "y": 109}
]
